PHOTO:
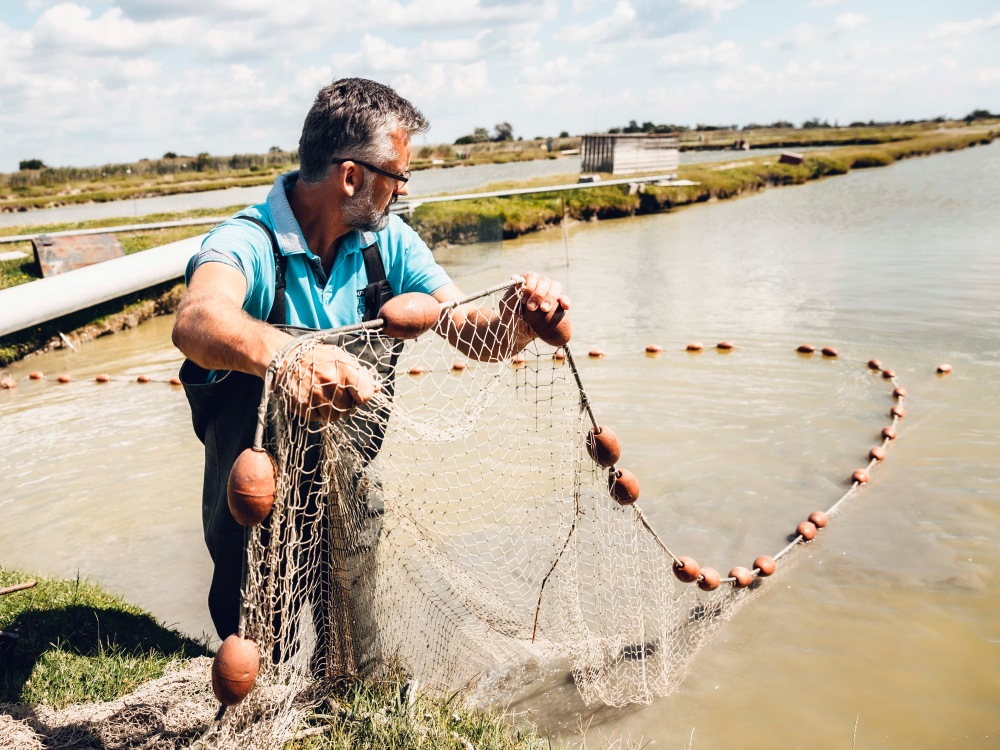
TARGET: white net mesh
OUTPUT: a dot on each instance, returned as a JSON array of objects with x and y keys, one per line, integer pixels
[{"x": 455, "y": 526}]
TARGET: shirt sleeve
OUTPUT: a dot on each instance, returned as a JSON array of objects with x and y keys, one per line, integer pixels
[
  {"x": 412, "y": 267},
  {"x": 243, "y": 246}
]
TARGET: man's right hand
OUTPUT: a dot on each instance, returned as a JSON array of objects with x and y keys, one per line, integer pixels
[{"x": 326, "y": 383}]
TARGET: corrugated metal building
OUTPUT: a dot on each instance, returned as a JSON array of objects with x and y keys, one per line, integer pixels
[{"x": 630, "y": 153}]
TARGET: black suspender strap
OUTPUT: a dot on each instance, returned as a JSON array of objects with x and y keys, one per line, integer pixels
[
  {"x": 277, "y": 315},
  {"x": 378, "y": 291}
]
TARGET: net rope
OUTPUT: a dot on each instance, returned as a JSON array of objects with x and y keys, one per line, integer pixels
[{"x": 454, "y": 526}]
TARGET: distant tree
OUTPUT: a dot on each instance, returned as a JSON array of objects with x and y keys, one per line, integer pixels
[
  {"x": 979, "y": 114},
  {"x": 815, "y": 123},
  {"x": 274, "y": 150},
  {"x": 503, "y": 131},
  {"x": 479, "y": 135},
  {"x": 564, "y": 134},
  {"x": 632, "y": 127},
  {"x": 781, "y": 124},
  {"x": 202, "y": 161},
  {"x": 170, "y": 155},
  {"x": 31, "y": 164},
  {"x": 614, "y": 131}
]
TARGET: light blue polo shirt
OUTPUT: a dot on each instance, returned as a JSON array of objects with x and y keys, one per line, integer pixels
[{"x": 311, "y": 299}]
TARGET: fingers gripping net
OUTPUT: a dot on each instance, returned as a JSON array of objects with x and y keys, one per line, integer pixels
[{"x": 455, "y": 525}]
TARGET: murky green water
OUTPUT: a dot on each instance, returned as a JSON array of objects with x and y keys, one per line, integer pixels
[{"x": 889, "y": 623}]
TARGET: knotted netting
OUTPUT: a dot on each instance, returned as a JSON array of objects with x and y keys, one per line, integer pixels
[{"x": 455, "y": 526}]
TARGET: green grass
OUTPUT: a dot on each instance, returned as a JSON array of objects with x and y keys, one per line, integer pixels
[{"x": 77, "y": 643}]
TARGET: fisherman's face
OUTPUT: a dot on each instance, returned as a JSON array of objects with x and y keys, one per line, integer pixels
[{"x": 368, "y": 208}]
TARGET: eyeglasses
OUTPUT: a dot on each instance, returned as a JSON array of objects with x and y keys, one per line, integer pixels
[{"x": 401, "y": 178}]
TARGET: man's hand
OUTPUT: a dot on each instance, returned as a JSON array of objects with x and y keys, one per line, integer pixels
[
  {"x": 544, "y": 308},
  {"x": 327, "y": 383}
]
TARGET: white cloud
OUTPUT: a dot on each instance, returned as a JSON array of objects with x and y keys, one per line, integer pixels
[
  {"x": 964, "y": 28},
  {"x": 847, "y": 21},
  {"x": 620, "y": 21},
  {"x": 69, "y": 28},
  {"x": 823, "y": 3},
  {"x": 988, "y": 76},
  {"x": 702, "y": 57},
  {"x": 800, "y": 35}
]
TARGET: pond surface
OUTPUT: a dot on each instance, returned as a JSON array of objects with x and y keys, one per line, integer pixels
[{"x": 888, "y": 625}]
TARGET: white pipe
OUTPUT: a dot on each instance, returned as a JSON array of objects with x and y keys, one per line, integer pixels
[{"x": 39, "y": 301}]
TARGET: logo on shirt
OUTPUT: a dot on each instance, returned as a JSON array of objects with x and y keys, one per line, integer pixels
[{"x": 361, "y": 304}]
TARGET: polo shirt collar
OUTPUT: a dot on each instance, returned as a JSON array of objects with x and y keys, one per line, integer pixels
[{"x": 286, "y": 227}]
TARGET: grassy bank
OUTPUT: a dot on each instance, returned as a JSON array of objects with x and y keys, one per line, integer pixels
[
  {"x": 450, "y": 223},
  {"x": 77, "y": 644}
]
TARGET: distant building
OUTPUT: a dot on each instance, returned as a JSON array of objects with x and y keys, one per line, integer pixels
[{"x": 630, "y": 153}]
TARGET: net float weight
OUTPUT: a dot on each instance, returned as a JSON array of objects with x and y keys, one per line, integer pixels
[
  {"x": 899, "y": 392},
  {"x": 604, "y": 446},
  {"x": 709, "y": 579},
  {"x": 175, "y": 380},
  {"x": 742, "y": 576},
  {"x": 406, "y": 316},
  {"x": 829, "y": 351},
  {"x": 596, "y": 354},
  {"x": 653, "y": 348},
  {"x": 819, "y": 519},
  {"x": 686, "y": 569},
  {"x": 889, "y": 433},
  {"x": 418, "y": 370},
  {"x": 877, "y": 453},
  {"x": 860, "y": 476},
  {"x": 142, "y": 379},
  {"x": 897, "y": 411},
  {"x": 251, "y": 487},
  {"x": 103, "y": 378},
  {"x": 888, "y": 374},
  {"x": 36, "y": 375},
  {"x": 458, "y": 366},
  {"x": 725, "y": 346},
  {"x": 766, "y": 565},
  {"x": 806, "y": 530},
  {"x": 874, "y": 364},
  {"x": 64, "y": 379},
  {"x": 623, "y": 486},
  {"x": 695, "y": 346},
  {"x": 943, "y": 369},
  {"x": 806, "y": 349},
  {"x": 234, "y": 670}
]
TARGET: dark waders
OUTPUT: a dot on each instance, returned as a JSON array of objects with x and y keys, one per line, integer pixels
[{"x": 224, "y": 414}]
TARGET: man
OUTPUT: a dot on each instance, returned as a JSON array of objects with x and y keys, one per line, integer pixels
[{"x": 306, "y": 257}]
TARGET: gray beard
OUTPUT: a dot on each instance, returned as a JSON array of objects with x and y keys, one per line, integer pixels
[{"x": 361, "y": 214}]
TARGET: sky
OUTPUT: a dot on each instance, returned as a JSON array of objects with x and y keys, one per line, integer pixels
[{"x": 91, "y": 82}]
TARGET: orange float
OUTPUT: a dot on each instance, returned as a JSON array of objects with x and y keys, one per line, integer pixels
[
  {"x": 458, "y": 366},
  {"x": 888, "y": 374},
  {"x": 418, "y": 370},
  {"x": 743, "y": 577},
  {"x": 829, "y": 351},
  {"x": 36, "y": 375},
  {"x": 623, "y": 486},
  {"x": 877, "y": 453},
  {"x": 806, "y": 530},
  {"x": 943, "y": 369},
  {"x": 251, "y": 487},
  {"x": 653, "y": 348},
  {"x": 709, "y": 579},
  {"x": 8, "y": 383},
  {"x": 406, "y": 316},
  {"x": 695, "y": 346},
  {"x": 175, "y": 380},
  {"x": 899, "y": 392},
  {"x": 725, "y": 346},
  {"x": 806, "y": 349},
  {"x": 686, "y": 569},
  {"x": 103, "y": 378},
  {"x": 142, "y": 379},
  {"x": 604, "y": 446},
  {"x": 64, "y": 378},
  {"x": 819, "y": 519},
  {"x": 897, "y": 411},
  {"x": 889, "y": 433},
  {"x": 766, "y": 565},
  {"x": 559, "y": 356},
  {"x": 518, "y": 361},
  {"x": 874, "y": 364},
  {"x": 234, "y": 670},
  {"x": 596, "y": 354},
  {"x": 860, "y": 476}
]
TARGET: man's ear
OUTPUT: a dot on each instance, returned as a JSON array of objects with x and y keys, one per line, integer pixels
[{"x": 348, "y": 178}]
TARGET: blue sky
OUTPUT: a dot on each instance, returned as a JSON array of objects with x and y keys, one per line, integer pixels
[{"x": 86, "y": 83}]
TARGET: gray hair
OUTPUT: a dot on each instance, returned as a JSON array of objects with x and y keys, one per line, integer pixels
[{"x": 353, "y": 117}]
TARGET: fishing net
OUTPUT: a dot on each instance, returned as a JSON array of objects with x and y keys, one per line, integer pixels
[{"x": 455, "y": 526}]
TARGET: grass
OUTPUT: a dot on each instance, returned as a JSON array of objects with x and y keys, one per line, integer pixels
[{"x": 77, "y": 643}]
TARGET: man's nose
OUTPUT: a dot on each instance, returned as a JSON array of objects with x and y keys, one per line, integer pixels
[{"x": 401, "y": 189}]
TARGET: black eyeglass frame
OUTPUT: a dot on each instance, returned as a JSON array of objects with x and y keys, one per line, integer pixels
[{"x": 402, "y": 179}]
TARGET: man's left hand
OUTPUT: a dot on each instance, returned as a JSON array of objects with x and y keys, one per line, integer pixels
[{"x": 544, "y": 308}]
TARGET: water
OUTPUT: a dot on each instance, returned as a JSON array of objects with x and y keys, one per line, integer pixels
[
  {"x": 424, "y": 183},
  {"x": 888, "y": 623}
]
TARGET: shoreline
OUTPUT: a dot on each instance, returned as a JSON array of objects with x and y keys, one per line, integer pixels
[{"x": 456, "y": 223}]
